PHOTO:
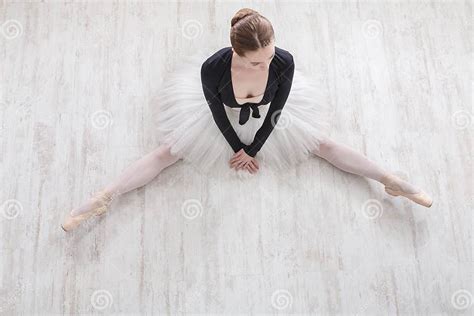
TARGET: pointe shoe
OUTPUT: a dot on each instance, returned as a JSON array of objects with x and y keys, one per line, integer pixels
[
  {"x": 71, "y": 222},
  {"x": 393, "y": 187}
]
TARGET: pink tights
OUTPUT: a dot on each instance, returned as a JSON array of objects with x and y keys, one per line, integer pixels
[
  {"x": 148, "y": 167},
  {"x": 136, "y": 175}
]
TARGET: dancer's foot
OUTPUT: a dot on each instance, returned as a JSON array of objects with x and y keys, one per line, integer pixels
[
  {"x": 97, "y": 205},
  {"x": 396, "y": 186}
]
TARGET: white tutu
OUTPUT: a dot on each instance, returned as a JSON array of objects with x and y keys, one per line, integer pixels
[{"x": 184, "y": 122}]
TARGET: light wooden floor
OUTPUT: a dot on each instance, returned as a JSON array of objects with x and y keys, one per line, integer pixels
[{"x": 76, "y": 83}]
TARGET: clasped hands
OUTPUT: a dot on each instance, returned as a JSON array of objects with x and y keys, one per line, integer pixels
[{"x": 241, "y": 160}]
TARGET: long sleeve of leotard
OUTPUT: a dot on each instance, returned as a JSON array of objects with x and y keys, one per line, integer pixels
[
  {"x": 274, "y": 111},
  {"x": 211, "y": 72}
]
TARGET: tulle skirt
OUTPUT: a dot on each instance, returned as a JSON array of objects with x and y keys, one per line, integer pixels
[{"x": 185, "y": 123}]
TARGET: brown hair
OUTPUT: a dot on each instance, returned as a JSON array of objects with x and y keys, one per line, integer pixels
[{"x": 250, "y": 31}]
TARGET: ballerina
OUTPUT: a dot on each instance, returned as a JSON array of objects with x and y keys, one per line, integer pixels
[{"x": 248, "y": 87}]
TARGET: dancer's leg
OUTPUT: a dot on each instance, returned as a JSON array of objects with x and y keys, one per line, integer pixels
[
  {"x": 349, "y": 160},
  {"x": 136, "y": 175}
]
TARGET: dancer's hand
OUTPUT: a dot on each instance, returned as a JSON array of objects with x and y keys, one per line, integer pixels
[
  {"x": 252, "y": 167},
  {"x": 240, "y": 160}
]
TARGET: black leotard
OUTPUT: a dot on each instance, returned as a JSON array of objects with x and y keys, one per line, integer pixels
[{"x": 217, "y": 86}]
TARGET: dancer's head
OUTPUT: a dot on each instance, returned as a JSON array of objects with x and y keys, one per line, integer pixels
[{"x": 252, "y": 38}]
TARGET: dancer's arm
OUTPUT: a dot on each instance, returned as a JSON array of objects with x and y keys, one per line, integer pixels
[
  {"x": 210, "y": 82},
  {"x": 276, "y": 106}
]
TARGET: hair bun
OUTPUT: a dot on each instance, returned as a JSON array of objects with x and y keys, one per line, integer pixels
[{"x": 242, "y": 13}]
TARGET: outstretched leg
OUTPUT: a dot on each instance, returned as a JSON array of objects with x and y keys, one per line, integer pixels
[
  {"x": 134, "y": 176},
  {"x": 349, "y": 160}
]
